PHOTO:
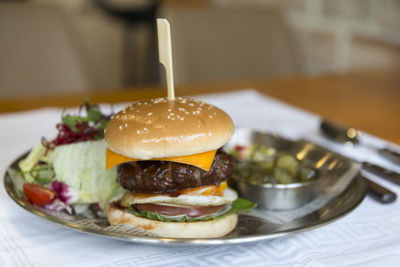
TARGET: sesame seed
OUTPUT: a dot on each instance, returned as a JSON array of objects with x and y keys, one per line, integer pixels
[
  {"x": 172, "y": 114},
  {"x": 138, "y": 132},
  {"x": 210, "y": 116},
  {"x": 187, "y": 112},
  {"x": 120, "y": 127},
  {"x": 182, "y": 119},
  {"x": 169, "y": 110},
  {"x": 168, "y": 117},
  {"x": 191, "y": 104},
  {"x": 139, "y": 104},
  {"x": 173, "y": 119},
  {"x": 126, "y": 125},
  {"x": 149, "y": 114},
  {"x": 145, "y": 129}
]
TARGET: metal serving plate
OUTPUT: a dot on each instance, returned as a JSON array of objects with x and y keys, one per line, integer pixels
[{"x": 250, "y": 228}]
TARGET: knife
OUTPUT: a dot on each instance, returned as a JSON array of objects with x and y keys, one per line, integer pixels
[
  {"x": 342, "y": 134},
  {"x": 382, "y": 172},
  {"x": 379, "y": 192}
]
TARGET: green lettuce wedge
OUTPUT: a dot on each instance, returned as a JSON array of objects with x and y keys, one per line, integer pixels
[{"x": 83, "y": 167}]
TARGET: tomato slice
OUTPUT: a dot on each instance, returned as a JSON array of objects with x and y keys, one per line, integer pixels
[{"x": 38, "y": 194}]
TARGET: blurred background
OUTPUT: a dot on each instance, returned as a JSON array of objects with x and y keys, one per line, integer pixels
[{"x": 52, "y": 47}]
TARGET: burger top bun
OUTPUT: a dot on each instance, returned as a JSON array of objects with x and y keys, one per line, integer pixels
[{"x": 158, "y": 128}]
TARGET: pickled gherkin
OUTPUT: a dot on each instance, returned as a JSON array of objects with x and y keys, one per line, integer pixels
[
  {"x": 282, "y": 176},
  {"x": 263, "y": 165},
  {"x": 288, "y": 163}
]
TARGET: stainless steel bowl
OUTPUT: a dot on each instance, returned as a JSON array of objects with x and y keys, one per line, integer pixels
[
  {"x": 328, "y": 165},
  {"x": 276, "y": 196}
]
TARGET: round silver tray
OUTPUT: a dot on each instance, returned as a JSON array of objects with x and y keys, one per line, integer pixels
[{"x": 250, "y": 228}]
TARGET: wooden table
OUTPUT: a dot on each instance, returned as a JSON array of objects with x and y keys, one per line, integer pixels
[{"x": 368, "y": 101}]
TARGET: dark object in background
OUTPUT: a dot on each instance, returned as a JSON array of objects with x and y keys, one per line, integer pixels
[
  {"x": 141, "y": 54},
  {"x": 214, "y": 43}
]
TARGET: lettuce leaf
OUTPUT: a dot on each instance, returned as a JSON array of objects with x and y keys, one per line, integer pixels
[
  {"x": 83, "y": 167},
  {"x": 240, "y": 204},
  {"x": 35, "y": 155}
]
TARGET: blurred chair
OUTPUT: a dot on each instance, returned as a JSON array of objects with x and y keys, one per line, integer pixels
[
  {"x": 140, "y": 38},
  {"x": 37, "y": 52},
  {"x": 220, "y": 43}
]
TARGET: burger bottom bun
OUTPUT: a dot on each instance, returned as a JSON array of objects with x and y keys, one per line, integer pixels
[{"x": 201, "y": 229}]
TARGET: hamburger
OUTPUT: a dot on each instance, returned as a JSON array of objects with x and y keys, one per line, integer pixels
[{"x": 170, "y": 162}]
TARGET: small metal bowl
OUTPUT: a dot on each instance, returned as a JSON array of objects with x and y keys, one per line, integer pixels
[
  {"x": 276, "y": 196},
  {"x": 328, "y": 166}
]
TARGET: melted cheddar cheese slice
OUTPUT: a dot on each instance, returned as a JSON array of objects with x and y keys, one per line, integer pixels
[{"x": 202, "y": 160}]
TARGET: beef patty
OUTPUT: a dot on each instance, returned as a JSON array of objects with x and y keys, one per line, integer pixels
[{"x": 165, "y": 176}]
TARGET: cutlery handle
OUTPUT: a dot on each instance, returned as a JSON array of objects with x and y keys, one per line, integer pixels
[
  {"x": 338, "y": 132},
  {"x": 380, "y": 193},
  {"x": 392, "y": 176},
  {"x": 391, "y": 155}
]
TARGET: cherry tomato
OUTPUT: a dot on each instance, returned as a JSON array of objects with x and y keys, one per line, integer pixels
[{"x": 38, "y": 194}]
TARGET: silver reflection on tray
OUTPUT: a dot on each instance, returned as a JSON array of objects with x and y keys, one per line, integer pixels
[{"x": 254, "y": 226}]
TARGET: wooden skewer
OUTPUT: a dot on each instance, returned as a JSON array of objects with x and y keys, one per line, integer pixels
[{"x": 165, "y": 54}]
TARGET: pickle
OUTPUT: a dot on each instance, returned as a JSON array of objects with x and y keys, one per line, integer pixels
[
  {"x": 283, "y": 177},
  {"x": 288, "y": 163},
  {"x": 262, "y": 165}
]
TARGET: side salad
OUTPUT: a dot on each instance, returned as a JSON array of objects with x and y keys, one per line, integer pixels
[{"x": 68, "y": 172}]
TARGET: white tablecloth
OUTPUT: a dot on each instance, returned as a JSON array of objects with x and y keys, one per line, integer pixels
[{"x": 369, "y": 236}]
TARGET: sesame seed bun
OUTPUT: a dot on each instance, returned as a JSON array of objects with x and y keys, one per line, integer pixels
[
  {"x": 200, "y": 229},
  {"x": 160, "y": 128}
]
